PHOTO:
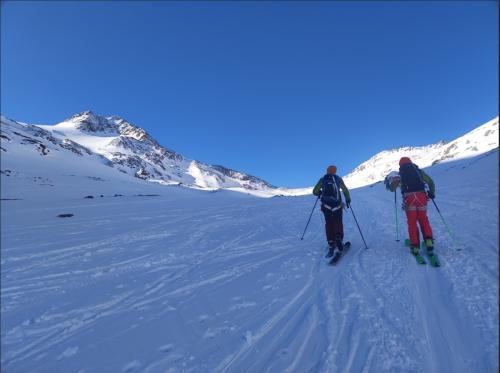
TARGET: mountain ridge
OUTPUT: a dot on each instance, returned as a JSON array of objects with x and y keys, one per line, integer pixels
[
  {"x": 477, "y": 141},
  {"x": 131, "y": 150}
]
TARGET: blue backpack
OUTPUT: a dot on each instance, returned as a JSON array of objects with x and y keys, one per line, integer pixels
[{"x": 330, "y": 191}]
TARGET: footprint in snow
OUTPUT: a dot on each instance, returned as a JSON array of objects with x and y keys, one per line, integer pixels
[
  {"x": 211, "y": 333},
  {"x": 203, "y": 318},
  {"x": 283, "y": 352},
  {"x": 133, "y": 365},
  {"x": 166, "y": 348},
  {"x": 242, "y": 305},
  {"x": 70, "y": 351}
]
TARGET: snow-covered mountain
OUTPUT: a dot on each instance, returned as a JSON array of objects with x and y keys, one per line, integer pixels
[
  {"x": 92, "y": 146},
  {"x": 118, "y": 144},
  {"x": 480, "y": 140}
]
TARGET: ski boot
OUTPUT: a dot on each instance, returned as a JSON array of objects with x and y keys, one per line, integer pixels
[
  {"x": 414, "y": 250},
  {"x": 340, "y": 247},
  {"x": 429, "y": 244},
  {"x": 331, "y": 249},
  {"x": 338, "y": 243}
]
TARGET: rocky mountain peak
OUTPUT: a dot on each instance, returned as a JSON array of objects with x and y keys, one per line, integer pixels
[{"x": 92, "y": 123}]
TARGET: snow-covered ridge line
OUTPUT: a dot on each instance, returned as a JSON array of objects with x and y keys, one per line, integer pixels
[
  {"x": 480, "y": 140},
  {"x": 131, "y": 150}
]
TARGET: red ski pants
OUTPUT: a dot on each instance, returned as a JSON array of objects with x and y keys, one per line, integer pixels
[
  {"x": 333, "y": 224},
  {"x": 416, "y": 211}
]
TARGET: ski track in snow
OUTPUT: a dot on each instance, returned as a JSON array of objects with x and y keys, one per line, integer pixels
[{"x": 228, "y": 286}]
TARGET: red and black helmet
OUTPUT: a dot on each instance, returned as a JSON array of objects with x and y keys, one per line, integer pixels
[{"x": 404, "y": 160}]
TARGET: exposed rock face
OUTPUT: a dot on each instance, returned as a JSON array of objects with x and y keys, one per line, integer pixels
[{"x": 128, "y": 148}]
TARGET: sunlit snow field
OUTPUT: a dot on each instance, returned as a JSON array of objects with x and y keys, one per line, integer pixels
[{"x": 193, "y": 281}]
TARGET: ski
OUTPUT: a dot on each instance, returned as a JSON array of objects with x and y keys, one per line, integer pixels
[
  {"x": 433, "y": 258},
  {"x": 419, "y": 258},
  {"x": 338, "y": 255}
]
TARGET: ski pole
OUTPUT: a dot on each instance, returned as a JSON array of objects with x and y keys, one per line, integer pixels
[
  {"x": 366, "y": 247},
  {"x": 446, "y": 225},
  {"x": 317, "y": 199},
  {"x": 396, "y": 210}
]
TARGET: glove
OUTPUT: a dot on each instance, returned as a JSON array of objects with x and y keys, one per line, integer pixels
[
  {"x": 430, "y": 195},
  {"x": 348, "y": 203}
]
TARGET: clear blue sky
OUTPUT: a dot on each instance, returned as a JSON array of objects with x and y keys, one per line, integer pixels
[{"x": 276, "y": 89}]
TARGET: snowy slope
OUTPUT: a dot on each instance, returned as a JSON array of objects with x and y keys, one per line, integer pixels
[
  {"x": 128, "y": 149},
  {"x": 34, "y": 162},
  {"x": 133, "y": 151},
  {"x": 475, "y": 142},
  {"x": 189, "y": 281},
  {"x": 109, "y": 152}
]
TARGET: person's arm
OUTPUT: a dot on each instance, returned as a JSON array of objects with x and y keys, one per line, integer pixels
[
  {"x": 345, "y": 191},
  {"x": 432, "y": 188},
  {"x": 317, "y": 188}
]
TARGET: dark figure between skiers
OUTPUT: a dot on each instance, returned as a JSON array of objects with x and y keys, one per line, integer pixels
[
  {"x": 328, "y": 187},
  {"x": 415, "y": 197}
]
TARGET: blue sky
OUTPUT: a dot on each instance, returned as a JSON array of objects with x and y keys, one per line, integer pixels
[{"x": 276, "y": 89}]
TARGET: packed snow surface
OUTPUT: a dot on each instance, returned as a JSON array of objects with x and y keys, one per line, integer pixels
[{"x": 153, "y": 278}]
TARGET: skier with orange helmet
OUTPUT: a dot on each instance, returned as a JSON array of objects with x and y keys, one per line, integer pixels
[{"x": 328, "y": 187}]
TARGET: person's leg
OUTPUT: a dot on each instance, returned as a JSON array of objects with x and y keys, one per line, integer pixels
[
  {"x": 329, "y": 230},
  {"x": 411, "y": 216},
  {"x": 338, "y": 229},
  {"x": 423, "y": 220},
  {"x": 425, "y": 226}
]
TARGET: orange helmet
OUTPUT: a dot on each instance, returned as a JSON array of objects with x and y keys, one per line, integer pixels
[
  {"x": 404, "y": 160},
  {"x": 331, "y": 170}
]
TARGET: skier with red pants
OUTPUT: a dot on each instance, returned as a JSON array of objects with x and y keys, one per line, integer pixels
[
  {"x": 415, "y": 197},
  {"x": 328, "y": 187}
]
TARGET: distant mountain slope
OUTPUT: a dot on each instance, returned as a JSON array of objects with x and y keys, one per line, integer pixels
[
  {"x": 129, "y": 149},
  {"x": 475, "y": 142},
  {"x": 87, "y": 139}
]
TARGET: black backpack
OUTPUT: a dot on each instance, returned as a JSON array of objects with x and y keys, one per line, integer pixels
[
  {"x": 411, "y": 178},
  {"x": 330, "y": 191}
]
